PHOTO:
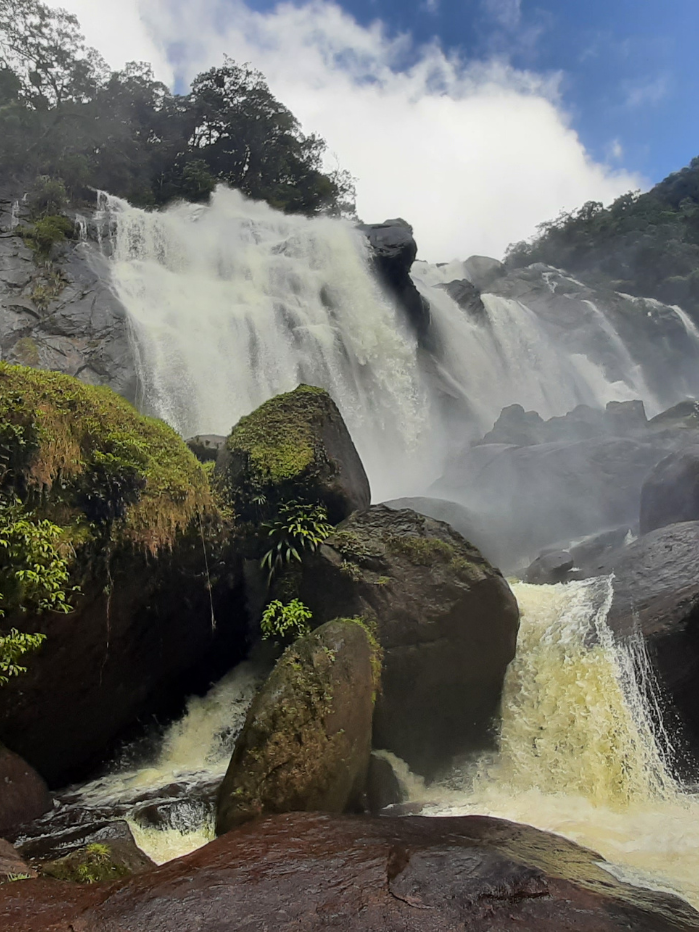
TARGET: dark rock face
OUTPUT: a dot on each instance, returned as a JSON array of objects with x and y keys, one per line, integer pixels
[
  {"x": 206, "y": 447},
  {"x": 393, "y": 252},
  {"x": 73, "y": 323},
  {"x": 383, "y": 786},
  {"x": 446, "y": 620},
  {"x": 358, "y": 874},
  {"x": 307, "y": 738},
  {"x": 656, "y": 591},
  {"x": 23, "y": 794},
  {"x": 466, "y": 295},
  {"x": 294, "y": 447},
  {"x": 120, "y": 654},
  {"x": 670, "y": 494}
]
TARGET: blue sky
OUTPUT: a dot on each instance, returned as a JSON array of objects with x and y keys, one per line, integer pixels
[
  {"x": 630, "y": 74},
  {"x": 473, "y": 119}
]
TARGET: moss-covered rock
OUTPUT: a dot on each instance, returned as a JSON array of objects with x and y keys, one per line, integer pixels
[
  {"x": 445, "y": 618},
  {"x": 294, "y": 447},
  {"x": 116, "y": 514},
  {"x": 98, "y": 862},
  {"x": 307, "y": 738}
]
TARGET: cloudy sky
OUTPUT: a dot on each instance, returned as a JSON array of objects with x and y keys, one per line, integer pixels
[{"x": 473, "y": 119}]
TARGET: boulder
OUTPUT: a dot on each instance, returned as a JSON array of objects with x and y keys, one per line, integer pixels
[
  {"x": 140, "y": 538},
  {"x": 483, "y": 271},
  {"x": 110, "y": 859},
  {"x": 12, "y": 865},
  {"x": 360, "y": 874},
  {"x": 552, "y": 567},
  {"x": 446, "y": 620},
  {"x": 670, "y": 494},
  {"x": 294, "y": 447},
  {"x": 656, "y": 593},
  {"x": 470, "y": 525},
  {"x": 393, "y": 249},
  {"x": 306, "y": 741},
  {"x": 683, "y": 416},
  {"x": 206, "y": 447},
  {"x": 24, "y": 795}
]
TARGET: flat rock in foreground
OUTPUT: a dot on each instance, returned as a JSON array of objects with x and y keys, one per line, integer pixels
[{"x": 313, "y": 872}]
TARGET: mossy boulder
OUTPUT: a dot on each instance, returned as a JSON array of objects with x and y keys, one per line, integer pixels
[
  {"x": 99, "y": 861},
  {"x": 307, "y": 738},
  {"x": 294, "y": 447},
  {"x": 446, "y": 620},
  {"x": 119, "y": 515}
]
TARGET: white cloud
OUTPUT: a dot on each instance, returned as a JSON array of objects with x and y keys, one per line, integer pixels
[
  {"x": 508, "y": 13},
  {"x": 430, "y": 6},
  {"x": 474, "y": 154}
]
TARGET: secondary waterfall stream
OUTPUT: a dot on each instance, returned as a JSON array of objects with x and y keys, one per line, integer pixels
[{"x": 581, "y": 751}]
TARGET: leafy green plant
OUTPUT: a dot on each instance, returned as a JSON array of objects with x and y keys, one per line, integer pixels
[
  {"x": 285, "y": 621},
  {"x": 13, "y": 647},
  {"x": 33, "y": 572},
  {"x": 296, "y": 528},
  {"x": 48, "y": 196},
  {"x": 47, "y": 232}
]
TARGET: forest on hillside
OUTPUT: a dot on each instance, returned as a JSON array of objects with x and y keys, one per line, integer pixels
[
  {"x": 642, "y": 244},
  {"x": 66, "y": 116}
]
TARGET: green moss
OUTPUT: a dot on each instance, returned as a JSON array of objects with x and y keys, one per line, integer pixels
[
  {"x": 93, "y": 864},
  {"x": 422, "y": 551},
  {"x": 351, "y": 546},
  {"x": 84, "y": 455},
  {"x": 27, "y": 352},
  {"x": 371, "y": 628},
  {"x": 351, "y": 570}
]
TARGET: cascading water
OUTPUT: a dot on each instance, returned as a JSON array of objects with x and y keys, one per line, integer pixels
[
  {"x": 234, "y": 302},
  {"x": 581, "y": 749}
]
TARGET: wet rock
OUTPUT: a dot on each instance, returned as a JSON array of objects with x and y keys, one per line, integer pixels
[
  {"x": 472, "y": 526},
  {"x": 12, "y": 865},
  {"x": 656, "y": 593},
  {"x": 306, "y": 741},
  {"x": 359, "y": 874},
  {"x": 24, "y": 795},
  {"x": 393, "y": 251},
  {"x": 446, "y": 619},
  {"x": 103, "y": 859},
  {"x": 683, "y": 416},
  {"x": 206, "y": 447},
  {"x": 553, "y": 567},
  {"x": 49, "y": 844},
  {"x": 383, "y": 786},
  {"x": 670, "y": 494},
  {"x": 294, "y": 447},
  {"x": 466, "y": 295}
]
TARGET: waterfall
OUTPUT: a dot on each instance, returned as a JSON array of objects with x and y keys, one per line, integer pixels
[
  {"x": 233, "y": 302},
  {"x": 582, "y": 751}
]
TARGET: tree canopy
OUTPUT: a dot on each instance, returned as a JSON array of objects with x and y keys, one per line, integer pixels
[
  {"x": 64, "y": 115},
  {"x": 644, "y": 244}
]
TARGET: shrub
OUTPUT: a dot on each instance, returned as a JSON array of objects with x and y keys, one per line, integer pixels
[
  {"x": 48, "y": 196},
  {"x": 297, "y": 528},
  {"x": 47, "y": 232},
  {"x": 13, "y": 647},
  {"x": 285, "y": 621}
]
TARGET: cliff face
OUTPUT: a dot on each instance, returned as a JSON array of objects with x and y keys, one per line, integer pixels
[{"x": 61, "y": 315}]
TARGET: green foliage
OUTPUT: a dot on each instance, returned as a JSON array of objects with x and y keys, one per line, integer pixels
[
  {"x": 285, "y": 622},
  {"x": 94, "y": 863},
  {"x": 298, "y": 527},
  {"x": 33, "y": 572},
  {"x": 63, "y": 115},
  {"x": 47, "y": 198},
  {"x": 13, "y": 646},
  {"x": 644, "y": 244},
  {"x": 46, "y": 233},
  {"x": 85, "y": 455}
]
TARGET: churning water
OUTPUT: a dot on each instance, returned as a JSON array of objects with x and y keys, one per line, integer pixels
[{"x": 234, "y": 302}]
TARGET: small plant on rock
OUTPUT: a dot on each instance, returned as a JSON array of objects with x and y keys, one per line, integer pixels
[
  {"x": 297, "y": 528},
  {"x": 285, "y": 622}
]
